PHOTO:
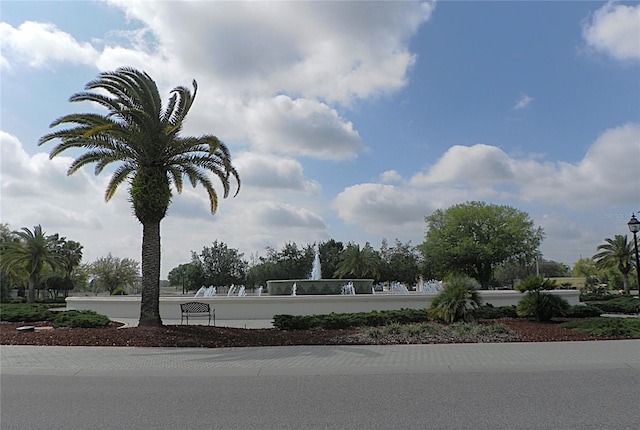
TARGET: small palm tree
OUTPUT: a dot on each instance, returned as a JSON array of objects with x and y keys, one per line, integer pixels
[
  {"x": 358, "y": 263},
  {"x": 142, "y": 137},
  {"x": 32, "y": 252},
  {"x": 616, "y": 253},
  {"x": 457, "y": 300}
]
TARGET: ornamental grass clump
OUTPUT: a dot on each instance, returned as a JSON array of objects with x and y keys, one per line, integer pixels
[{"x": 457, "y": 301}]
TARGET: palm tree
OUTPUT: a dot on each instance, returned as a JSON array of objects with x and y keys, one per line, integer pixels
[
  {"x": 616, "y": 253},
  {"x": 358, "y": 263},
  {"x": 32, "y": 252},
  {"x": 143, "y": 138}
]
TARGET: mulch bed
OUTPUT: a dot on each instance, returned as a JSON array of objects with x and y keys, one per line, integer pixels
[{"x": 222, "y": 337}]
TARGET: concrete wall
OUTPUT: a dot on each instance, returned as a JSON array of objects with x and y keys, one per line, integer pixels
[{"x": 265, "y": 307}]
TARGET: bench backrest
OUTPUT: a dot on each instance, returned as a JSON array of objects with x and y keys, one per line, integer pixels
[{"x": 195, "y": 307}]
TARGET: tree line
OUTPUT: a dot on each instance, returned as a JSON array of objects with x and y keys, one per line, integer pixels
[{"x": 35, "y": 263}]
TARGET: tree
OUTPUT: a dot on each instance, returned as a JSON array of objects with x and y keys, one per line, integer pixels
[
  {"x": 399, "y": 264},
  {"x": 358, "y": 263},
  {"x": 616, "y": 253},
  {"x": 112, "y": 273},
  {"x": 32, "y": 252},
  {"x": 221, "y": 265},
  {"x": 330, "y": 257},
  {"x": 473, "y": 238},
  {"x": 143, "y": 138},
  {"x": 189, "y": 276}
]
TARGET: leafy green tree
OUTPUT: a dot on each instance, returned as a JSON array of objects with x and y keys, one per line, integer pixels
[
  {"x": 221, "y": 265},
  {"x": 474, "y": 238},
  {"x": 358, "y": 263},
  {"x": 32, "y": 252},
  {"x": 143, "y": 138},
  {"x": 552, "y": 269},
  {"x": 584, "y": 267},
  {"x": 112, "y": 273},
  {"x": 618, "y": 253},
  {"x": 190, "y": 276},
  {"x": 399, "y": 264},
  {"x": 330, "y": 257}
]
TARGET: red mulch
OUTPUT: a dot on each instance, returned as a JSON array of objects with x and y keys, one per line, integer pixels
[{"x": 221, "y": 337}]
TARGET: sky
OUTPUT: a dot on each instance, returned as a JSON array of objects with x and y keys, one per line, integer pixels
[{"x": 350, "y": 121}]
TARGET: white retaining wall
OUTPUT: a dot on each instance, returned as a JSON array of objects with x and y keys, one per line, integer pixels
[{"x": 265, "y": 307}]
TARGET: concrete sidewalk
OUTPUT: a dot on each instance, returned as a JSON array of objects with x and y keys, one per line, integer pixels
[{"x": 320, "y": 360}]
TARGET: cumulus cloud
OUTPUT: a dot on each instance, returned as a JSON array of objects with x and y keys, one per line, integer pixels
[
  {"x": 615, "y": 30},
  {"x": 42, "y": 45},
  {"x": 608, "y": 172},
  {"x": 301, "y": 127},
  {"x": 263, "y": 170},
  {"x": 347, "y": 50}
]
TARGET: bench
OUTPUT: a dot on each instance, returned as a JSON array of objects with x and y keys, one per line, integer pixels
[{"x": 197, "y": 310}]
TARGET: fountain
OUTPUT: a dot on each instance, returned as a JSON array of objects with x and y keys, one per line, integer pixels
[
  {"x": 348, "y": 290},
  {"x": 315, "y": 285},
  {"x": 398, "y": 288},
  {"x": 259, "y": 291},
  {"x": 232, "y": 288},
  {"x": 241, "y": 291},
  {"x": 430, "y": 287}
]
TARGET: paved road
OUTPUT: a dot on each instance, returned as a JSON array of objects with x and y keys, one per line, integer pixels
[{"x": 573, "y": 385}]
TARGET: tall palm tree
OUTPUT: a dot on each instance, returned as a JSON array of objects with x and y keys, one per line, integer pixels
[
  {"x": 616, "y": 253},
  {"x": 32, "y": 252},
  {"x": 143, "y": 137}
]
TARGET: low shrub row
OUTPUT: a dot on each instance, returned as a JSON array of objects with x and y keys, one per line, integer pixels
[
  {"x": 30, "y": 313},
  {"x": 613, "y": 327},
  {"x": 619, "y": 305},
  {"x": 335, "y": 321}
]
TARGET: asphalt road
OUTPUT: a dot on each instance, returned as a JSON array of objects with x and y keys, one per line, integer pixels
[
  {"x": 572, "y": 385},
  {"x": 589, "y": 399}
]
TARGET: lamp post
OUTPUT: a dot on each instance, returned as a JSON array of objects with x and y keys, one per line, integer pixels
[
  {"x": 183, "y": 281},
  {"x": 634, "y": 227}
]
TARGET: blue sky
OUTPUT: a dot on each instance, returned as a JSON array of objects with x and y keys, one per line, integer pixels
[{"x": 346, "y": 120}]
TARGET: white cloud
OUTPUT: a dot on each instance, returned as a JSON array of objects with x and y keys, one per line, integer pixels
[
  {"x": 523, "y": 102},
  {"x": 605, "y": 180},
  {"x": 390, "y": 176},
  {"x": 615, "y": 29},
  {"x": 334, "y": 51},
  {"x": 42, "y": 45},
  {"x": 263, "y": 170},
  {"x": 301, "y": 127}
]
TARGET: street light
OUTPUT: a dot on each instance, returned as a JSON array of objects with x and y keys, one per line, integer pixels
[{"x": 634, "y": 227}]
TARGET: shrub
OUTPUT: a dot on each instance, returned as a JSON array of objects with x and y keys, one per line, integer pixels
[
  {"x": 343, "y": 321},
  {"x": 22, "y": 312},
  {"x": 610, "y": 327},
  {"x": 542, "y": 306},
  {"x": 620, "y": 305},
  {"x": 583, "y": 311},
  {"x": 119, "y": 292},
  {"x": 538, "y": 302},
  {"x": 84, "y": 319},
  {"x": 457, "y": 300},
  {"x": 597, "y": 297}
]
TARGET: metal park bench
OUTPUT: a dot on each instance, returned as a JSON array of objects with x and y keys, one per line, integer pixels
[{"x": 197, "y": 310}]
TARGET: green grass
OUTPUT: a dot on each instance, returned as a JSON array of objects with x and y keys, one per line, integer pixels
[{"x": 614, "y": 327}]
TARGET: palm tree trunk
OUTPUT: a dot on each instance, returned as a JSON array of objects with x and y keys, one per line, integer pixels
[
  {"x": 625, "y": 283},
  {"x": 31, "y": 293},
  {"x": 150, "y": 304}
]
